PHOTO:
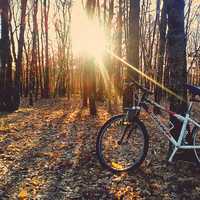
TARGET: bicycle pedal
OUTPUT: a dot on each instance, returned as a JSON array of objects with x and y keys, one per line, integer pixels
[
  {"x": 126, "y": 123},
  {"x": 185, "y": 143}
]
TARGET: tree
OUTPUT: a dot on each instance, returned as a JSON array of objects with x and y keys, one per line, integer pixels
[
  {"x": 33, "y": 65},
  {"x": 118, "y": 50},
  {"x": 133, "y": 49},
  {"x": 20, "y": 49},
  {"x": 46, "y": 79},
  {"x": 89, "y": 85},
  {"x": 8, "y": 94},
  {"x": 176, "y": 40},
  {"x": 161, "y": 53},
  {"x": 62, "y": 27}
]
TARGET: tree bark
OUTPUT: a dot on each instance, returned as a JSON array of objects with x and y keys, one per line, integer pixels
[
  {"x": 91, "y": 83},
  {"x": 176, "y": 40},
  {"x": 46, "y": 19},
  {"x": 161, "y": 53},
  {"x": 177, "y": 53},
  {"x": 9, "y": 96},
  {"x": 118, "y": 83},
  {"x": 133, "y": 50},
  {"x": 33, "y": 65},
  {"x": 20, "y": 48}
]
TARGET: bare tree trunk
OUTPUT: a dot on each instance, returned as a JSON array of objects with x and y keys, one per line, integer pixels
[
  {"x": 92, "y": 88},
  {"x": 40, "y": 77},
  {"x": 91, "y": 82},
  {"x": 85, "y": 85},
  {"x": 177, "y": 53},
  {"x": 176, "y": 39},
  {"x": 46, "y": 81},
  {"x": 118, "y": 83},
  {"x": 9, "y": 96},
  {"x": 33, "y": 65},
  {"x": 20, "y": 48},
  {"x": 6, "y": 58},
  {"x": 162, "y": 46},
  {"x": 6, "y": 103},
  {"x": 133, "y": 50}
]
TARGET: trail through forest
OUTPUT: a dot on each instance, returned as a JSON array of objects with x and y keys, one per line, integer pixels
[{"x": 48, "y": 152}]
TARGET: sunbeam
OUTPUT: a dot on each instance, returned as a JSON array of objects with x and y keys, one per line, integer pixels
[{"x": 146, "y": 76}]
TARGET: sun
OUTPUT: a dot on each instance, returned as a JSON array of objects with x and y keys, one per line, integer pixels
[{"x": 88, "y": 37}]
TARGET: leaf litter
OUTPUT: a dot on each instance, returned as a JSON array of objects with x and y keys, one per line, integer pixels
[{"x": 48, "y": 152}]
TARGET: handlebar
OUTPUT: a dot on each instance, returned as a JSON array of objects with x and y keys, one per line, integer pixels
[{"x": 145, "y": 90}]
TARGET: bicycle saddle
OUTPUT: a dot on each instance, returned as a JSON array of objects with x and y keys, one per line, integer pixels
[{"x": 193, "y": 89}]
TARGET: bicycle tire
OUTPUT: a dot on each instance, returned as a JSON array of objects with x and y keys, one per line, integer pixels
[
  {"x": 196, "y": 141},
  {"x": 101, "y": 134}
]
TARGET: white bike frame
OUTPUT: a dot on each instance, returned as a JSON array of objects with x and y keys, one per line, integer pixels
[{"x": 166, "y": 131}]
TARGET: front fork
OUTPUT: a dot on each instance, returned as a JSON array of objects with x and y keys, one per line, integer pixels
[
  {"x": 124, "y": 134},
  {"x": 129, "y": 122}
]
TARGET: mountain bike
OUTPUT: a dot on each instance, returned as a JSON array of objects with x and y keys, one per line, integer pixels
[{"x": 123, "y": 141}]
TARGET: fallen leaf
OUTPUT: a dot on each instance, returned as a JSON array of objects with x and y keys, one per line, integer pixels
[
  {"x": 2, "y": 138},
  {"x": 35, "y": 181},
  {"x": 23, "y": 195},
  {"x": 116, "y": 165}
]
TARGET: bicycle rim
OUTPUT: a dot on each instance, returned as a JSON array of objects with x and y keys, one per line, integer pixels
[
  {"x": 127, "y": 154},
  {"x": 196, "y": 142}
]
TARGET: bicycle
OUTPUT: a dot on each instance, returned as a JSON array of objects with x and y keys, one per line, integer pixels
[{"x": 123, "y": 141}]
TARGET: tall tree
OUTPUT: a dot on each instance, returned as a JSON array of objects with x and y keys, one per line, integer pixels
[
  {"x": 118, "y": 49},
  {"x": 46, "y": 19},
  {"x": 8, "y": 95},
  {"x": 5, "y": 52},
  {"x": 20, "y": 48},
  {"x": 90, "y": 84},
  {"x": 177, "y": 53},
  {"x": 133, "y": 49},
  {"x": 33, "y": 65},
  {"x": 161, "y": 53},
  {"x": 176, "y": 40}
]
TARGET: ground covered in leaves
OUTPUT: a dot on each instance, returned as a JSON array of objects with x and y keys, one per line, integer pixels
[{"x": 48, "y": 152}]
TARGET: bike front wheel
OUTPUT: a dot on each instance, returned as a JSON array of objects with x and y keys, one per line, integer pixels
[{"x": 121, "y": 145}]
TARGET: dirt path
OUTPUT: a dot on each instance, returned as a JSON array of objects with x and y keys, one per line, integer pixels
[{"x": 48, "y": 152}]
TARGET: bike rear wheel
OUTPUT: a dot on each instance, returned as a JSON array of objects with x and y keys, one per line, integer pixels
[
  {"x": 122, "y": 146},
  {"x": 196, "y": 142}
]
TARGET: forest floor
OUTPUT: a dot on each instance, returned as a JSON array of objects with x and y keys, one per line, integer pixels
[{"x": 48, "y": 152}]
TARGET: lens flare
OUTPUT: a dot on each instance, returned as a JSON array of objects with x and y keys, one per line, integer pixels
[
  {"x": 147, "y": 77},
  {"x": 88, "y": 37}
]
